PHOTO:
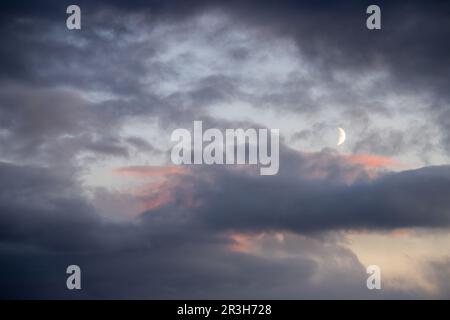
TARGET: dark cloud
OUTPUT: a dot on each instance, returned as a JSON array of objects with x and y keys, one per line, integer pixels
[
  {"x": 333, "y": 34},
  {"x": 170, "y": 253},
  {"x": 65, "y": 93},
  {"x": 312, "y": 193}
]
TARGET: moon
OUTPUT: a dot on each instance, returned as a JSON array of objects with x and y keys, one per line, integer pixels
[{"x": 342, "y": 136}]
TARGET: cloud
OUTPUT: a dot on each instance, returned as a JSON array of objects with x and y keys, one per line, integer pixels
[
  {"x": 67, "y": 94},
  {"x": 314, "y": 193},
  {"x": 372, "y": 162},
  {"x": 438, "y": 273},
  {"x": 151, "y": 171},
  {"x": 50, "y": 227},
  {"x": 181, "y": 55}
]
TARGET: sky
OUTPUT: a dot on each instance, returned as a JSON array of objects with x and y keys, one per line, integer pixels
[{"x": 86, "y": 176}]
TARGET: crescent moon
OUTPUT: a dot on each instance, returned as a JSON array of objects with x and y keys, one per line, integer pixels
[{"x": 341, "y": 136}]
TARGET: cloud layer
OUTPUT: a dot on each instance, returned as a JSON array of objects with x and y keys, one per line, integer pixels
[{"x": 72, "y": 108}]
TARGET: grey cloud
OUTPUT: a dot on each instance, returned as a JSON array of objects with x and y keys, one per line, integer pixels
[
  {"x": 311, "y": 194},
  {"x": 52, "y": 126},
  {"x": 45, "y": 223},
  {"x": 142, "y": 144},
  {"x": 342, "y": 43},
  {"x": 45, "y": 228},
  {"x": 171, "y": 252},
  {"x": 387, "y": 142}
]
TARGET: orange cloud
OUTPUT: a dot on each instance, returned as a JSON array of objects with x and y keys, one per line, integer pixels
[
  {"x": 370, "y": 161},
  {"x": 156, "y": 201},
  {"x": 151, "y": 171},
  {"x": 159, "y": 193},
  {"x": 159, "y": 184},
  {"x": 239, "y": 243}
]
